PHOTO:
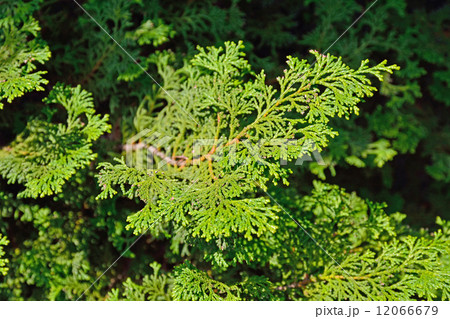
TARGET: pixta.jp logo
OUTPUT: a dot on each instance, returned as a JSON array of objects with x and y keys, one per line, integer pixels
[{"x": 153, "y": 150}]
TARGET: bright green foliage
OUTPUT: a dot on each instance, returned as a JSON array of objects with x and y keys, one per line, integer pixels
[
  {"x": 214, "y": 102},
  {"x": 188, "y": 283},
  {"x": 3, "y": 261},
  {"x": 18, "y": 58},
  {"x": 155, "y": 287},
  {"x": 400, "y": 271},
  {"x": 192, "y": 284},
  {"x": 47, "y": 154}
]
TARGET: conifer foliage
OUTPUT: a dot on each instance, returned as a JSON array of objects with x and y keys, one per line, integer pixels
[
  {"x": 18, "y": 58},
  {"x": 3, "y": 261},
  {"x": 212, "y": 101},
  {"x": 47, "y": 154},
  {"x": 195, "y": 181}
]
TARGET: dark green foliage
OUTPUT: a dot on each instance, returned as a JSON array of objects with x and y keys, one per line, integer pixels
[
  {"x": 409, "y": 44},
  {"x": 413, "y": 116},
  {"x": 223, "y": 209}
]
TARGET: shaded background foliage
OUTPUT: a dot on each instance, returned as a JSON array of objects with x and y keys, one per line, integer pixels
[{"x": 396, "y": 151}]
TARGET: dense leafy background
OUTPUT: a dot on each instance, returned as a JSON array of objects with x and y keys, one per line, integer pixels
[{"x": 395, "y": 151}]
